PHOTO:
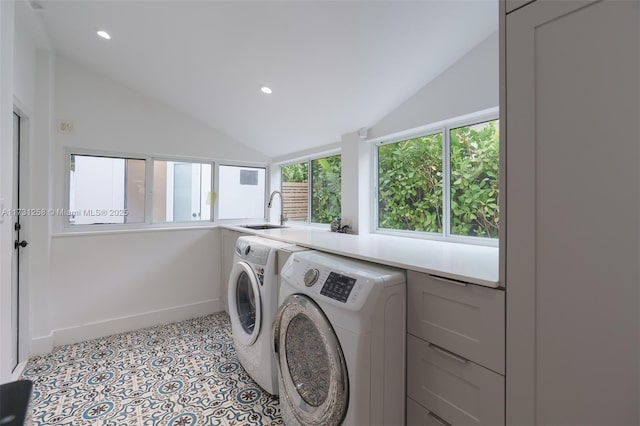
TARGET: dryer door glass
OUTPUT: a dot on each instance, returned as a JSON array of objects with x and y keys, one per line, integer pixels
[
  {"x": 315, "y": 385},
  {"x": 246, "y": 303},
  {"x": 307, "y": 360}
]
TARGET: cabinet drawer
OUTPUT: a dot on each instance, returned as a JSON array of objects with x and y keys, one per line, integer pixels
[
  {"x": 456, "y": 390},
  {"x": 417, "y": 415},
  {"x": 465, "y": 319}
]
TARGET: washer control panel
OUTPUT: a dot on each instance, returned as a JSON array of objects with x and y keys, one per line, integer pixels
[
  {"x": 338, "y": 287},
  {"x": 338, "y": 281}
]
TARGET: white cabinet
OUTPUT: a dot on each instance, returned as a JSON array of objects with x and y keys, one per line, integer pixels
[
  {"x": 455, "y": 352},
  {"x": 463, "y": 318},
  {"x": 228, "y": 244},
  {"x": 457, "y": 390},
  {"x": 572, "y": 201}
]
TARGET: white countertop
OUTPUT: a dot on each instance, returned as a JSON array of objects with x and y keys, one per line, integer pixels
[{"x": 464, "y": 262}]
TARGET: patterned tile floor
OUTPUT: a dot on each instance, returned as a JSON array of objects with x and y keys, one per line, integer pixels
[{"x": 181, "y": 374}]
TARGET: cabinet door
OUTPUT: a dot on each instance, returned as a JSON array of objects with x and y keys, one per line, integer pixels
[
  {"x": 456, "y": 390},
  {"x": 463, "y": 318},
  {"x": 572, "y": 176},
  {"x": 417, "y": 415}
]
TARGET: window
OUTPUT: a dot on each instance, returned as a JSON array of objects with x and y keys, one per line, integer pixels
[
  {"x": 106, "y": 190},
  {"x": 241, "y": 192},
  {"x": 295, "y": 191},
  {"x": 114, "y": 189},
  {"x": 474, "y": 179},
  {"x": 311, "y": 191},
  {"x": 444, "y": 182},
  {"x": 181, "y": 191},
  {"x": 410, "y": 184}
]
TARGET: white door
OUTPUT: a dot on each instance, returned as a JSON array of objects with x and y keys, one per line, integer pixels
[
  {"x": 311, "y": 363},
  {"x": 18, "y": 245}
]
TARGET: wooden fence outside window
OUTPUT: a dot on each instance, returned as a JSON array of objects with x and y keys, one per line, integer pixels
[{"x": 295, "y": 196}]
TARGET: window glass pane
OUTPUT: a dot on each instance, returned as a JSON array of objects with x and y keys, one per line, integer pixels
[
  {"x": 106, "y": 190},
  {"x": 181, "y": 191},
  {"x": 410, "y": 184},
  {"x": 326, "y": 189},
  {"x": 241, "y": 192},
  {"x": 295, "y": 191},
  {"x": 474, "y": 179}
]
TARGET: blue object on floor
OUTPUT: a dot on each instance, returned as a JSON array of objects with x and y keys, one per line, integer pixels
[{"x": 14, "y": 402}]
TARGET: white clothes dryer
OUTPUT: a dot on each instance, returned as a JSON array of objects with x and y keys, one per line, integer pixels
[
  {"x": 253, "y": 302},
  {"x": 339, "y": 340}
]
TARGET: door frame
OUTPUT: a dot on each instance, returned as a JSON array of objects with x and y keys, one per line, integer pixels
[{"x": 24, "y": 335}]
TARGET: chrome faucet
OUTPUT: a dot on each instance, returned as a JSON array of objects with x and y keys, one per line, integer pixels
[{"x": 282, "y": 218}]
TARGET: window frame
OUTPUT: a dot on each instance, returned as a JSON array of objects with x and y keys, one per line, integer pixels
[
  {"x": 308, "y": 160},
  {"x": 216, "y": 189},
  {"x": 443, "y": 127},
  {"x": 149, "y": 159},
  {"x": 152, "y": 160}
]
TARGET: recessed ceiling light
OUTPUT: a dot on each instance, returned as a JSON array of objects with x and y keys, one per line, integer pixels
[
  {"x": 104, "y": 34},
  {"x": 266, "y": 90}
]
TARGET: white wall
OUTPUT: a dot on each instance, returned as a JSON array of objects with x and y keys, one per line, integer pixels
[
  {"x": 108, "y": 283},
  {"x": 24, "y": 74},
  {"x": 468, "y": 86},
  {"x": 105, "y": 283}
]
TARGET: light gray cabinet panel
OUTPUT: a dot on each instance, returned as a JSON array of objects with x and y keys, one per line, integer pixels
[
  {"x": 456, "y": 390},
  {"x": 512, "y": 5},
  {"x": 465, "y": 319},
  {"x": 417, "y": 415},
  {"x": 573, "y": 197}
]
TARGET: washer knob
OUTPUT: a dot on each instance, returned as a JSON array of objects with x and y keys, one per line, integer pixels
[
  {"x": 247, "y": 250},
  {"x": 310, "y": 277}
]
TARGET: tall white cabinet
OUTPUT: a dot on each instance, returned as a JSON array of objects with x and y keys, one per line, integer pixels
[{"x": 572, "y": 154}]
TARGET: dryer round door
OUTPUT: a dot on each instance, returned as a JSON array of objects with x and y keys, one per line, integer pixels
[
  {"x": 311, "y": 363},
  {"x": 244, "y": 304}
]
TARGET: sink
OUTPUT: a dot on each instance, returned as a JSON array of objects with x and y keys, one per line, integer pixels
[{"x": 264, "y": 226}]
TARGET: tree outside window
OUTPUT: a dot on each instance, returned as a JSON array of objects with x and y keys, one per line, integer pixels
[{"x": 412, "y": 184}]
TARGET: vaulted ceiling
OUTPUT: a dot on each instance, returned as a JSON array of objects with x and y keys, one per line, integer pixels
[{"x": 334, "y": 66}]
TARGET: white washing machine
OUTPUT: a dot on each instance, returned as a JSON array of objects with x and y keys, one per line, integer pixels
[
  {"x": 339, "y": 340},
  {"x": 253, "y": 302}
]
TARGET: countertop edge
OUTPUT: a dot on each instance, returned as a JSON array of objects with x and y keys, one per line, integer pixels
[{"x": 472, "y": 279}]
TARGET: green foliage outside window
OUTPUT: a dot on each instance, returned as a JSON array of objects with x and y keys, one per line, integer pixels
[
  {"x": 475, "y": 160},
  {"x": 410, "y": 184},
  {"x": 326, "y": 189},
  {"x": 296, "y": 173}
]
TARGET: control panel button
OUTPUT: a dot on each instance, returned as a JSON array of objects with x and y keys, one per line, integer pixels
[{"x": 310, "y": 277}]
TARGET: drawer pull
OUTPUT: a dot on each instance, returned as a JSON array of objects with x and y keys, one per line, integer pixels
[
  {"x": 449, "y": 281},
  {"x": 447, "y": 353},
  {"x": 438, "y": 419}
]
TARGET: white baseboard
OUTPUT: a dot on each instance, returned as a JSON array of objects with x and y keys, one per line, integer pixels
[
  {"x": 41, "y": 345},
  {"x": 94, "y": 330},
  {"x": 15, "y": 374}
]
